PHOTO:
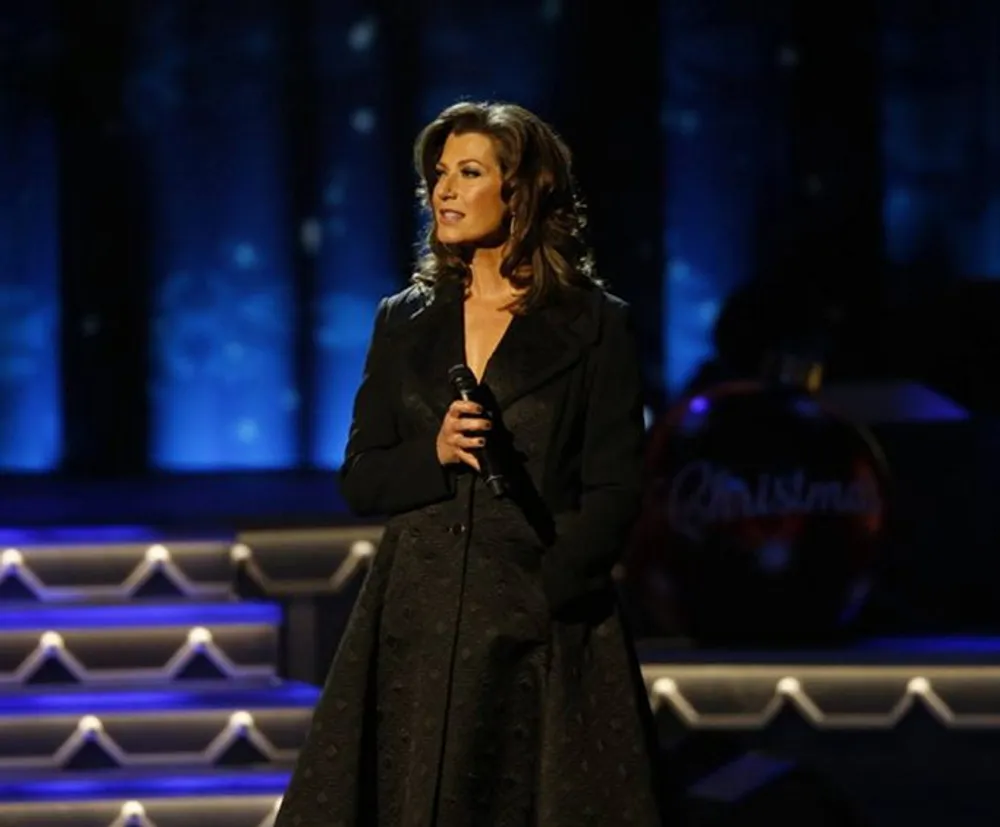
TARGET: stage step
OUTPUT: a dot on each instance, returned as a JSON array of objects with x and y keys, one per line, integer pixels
[
  {"x": 88, "y": 565},
  {"x": 78, "y": 728},
  {"x": 157, "y": 797},
  {"x": 301, "y": 562},
  {"x": 903, "y": 727},
  {"x": 952, "y": 683},
  {"x": 132, "y": 642}
]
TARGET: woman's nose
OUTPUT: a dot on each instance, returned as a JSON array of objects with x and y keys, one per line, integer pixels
[{"x": 445, "y": 189}]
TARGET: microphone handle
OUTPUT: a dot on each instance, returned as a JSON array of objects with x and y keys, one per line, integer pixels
[
  {"x": 494, "y": 480},
  {"x": 497, "y": 484}
]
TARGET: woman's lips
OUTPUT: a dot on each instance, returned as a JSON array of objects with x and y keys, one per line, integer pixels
[{"x": 450, "y": 216}]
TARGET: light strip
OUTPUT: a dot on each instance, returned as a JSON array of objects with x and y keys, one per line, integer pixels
[
  {"x": 165, "y": 700},
  {"x": 142, "y": 785},
  {"x": 131, "y": 616}
]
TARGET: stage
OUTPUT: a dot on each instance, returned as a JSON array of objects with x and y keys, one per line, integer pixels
[{"x": 154, "y": 679}]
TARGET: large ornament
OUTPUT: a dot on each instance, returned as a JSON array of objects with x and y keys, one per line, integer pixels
[{"x": 764, "y": 518}]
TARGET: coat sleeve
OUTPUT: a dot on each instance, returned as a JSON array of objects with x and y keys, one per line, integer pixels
[
  {"x": 590, "y": 540},
  {"x": 384, "y": 474}
]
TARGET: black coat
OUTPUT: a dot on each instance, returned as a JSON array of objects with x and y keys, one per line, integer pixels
[{"x": 485, "y": 678}]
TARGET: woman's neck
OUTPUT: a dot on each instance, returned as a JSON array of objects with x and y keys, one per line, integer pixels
[{"x": 487, "y": 281}]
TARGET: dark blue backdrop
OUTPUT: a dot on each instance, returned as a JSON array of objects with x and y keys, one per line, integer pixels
[{"x": 270, "y": 199}]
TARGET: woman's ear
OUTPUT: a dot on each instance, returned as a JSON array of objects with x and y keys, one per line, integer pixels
[{"x": 508, "y": 192}]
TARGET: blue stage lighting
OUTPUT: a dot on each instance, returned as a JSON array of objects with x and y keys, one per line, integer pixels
[
  {"x": 940, "y": 141},
  {"x": 208, "y": 110},
  {"x": 31, "y": 419},
  {"x": 718, "y": 158},
  {"x": 351, "y": 238},
  {"x": 90, "y": 702},
  {"x": 136, "y": 616},
  {"x": 959, "y": 645},
  {"x": 137, "y": 785}
]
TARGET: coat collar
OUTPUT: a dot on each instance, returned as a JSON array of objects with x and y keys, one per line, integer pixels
[{"x": 538, "y": 345}]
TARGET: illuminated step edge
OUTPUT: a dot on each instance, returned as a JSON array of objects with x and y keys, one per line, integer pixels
[
  {"x": 85, "y": 538},
  {"x": 200, "y": 570},
  {"x": 138, "y": 642},
  {"x": 135, "y": 564},
  {"x": 305, "y": 561},
  {"x": 122, "y": 616},
  {"x": 144, "y": 798},
  {"x": 201, "y": 727},
  {"x": 829, "y": 697},
  {"x": 41, "y": 702}
]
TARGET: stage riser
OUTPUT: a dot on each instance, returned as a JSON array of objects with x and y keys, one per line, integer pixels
[
  {"x": 195, "y": 738},
  {"x": 201, "y": 570},
  {"x": 820, "y": 705},
  {"x": 243, "y": 811},
  {"x": 135, "y": 690},
  {"x": 150, "y": 654},
  {"x": 300, "y": 563},
  {"x": 852, "y": 697},
  {"x": 860, "y": 723}
]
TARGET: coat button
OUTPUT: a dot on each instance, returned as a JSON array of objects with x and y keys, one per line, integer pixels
[{"x": 457, "y": 529}]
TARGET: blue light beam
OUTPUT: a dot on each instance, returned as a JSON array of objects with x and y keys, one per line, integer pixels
[
  {"x": 351, "y": 235},
  {"x": 721, "y": 130},
  {"x": 89, "y": 701},
  {"x": 206, "y": 99},
  {"x": 941, "y": 139},
  {"x": 140, "y": 785},
  {"x": 137, "y": 616},
  {"x": 31, "y": 418}
]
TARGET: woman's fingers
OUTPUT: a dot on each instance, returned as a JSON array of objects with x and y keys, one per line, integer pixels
[
  {"x": 463, "y": 431},
  {"x": 460, "y": 408},
  {"x": 468, "y": 442},
  {"x": 466, "y": 424}
]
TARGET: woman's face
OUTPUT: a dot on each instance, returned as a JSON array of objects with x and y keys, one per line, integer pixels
[{"x": 467, "y": 195}]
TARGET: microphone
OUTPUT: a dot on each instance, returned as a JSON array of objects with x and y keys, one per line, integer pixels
[{"x": 466, "y": 387}]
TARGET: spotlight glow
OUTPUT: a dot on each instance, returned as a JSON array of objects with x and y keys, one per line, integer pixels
[
  {"x": 199, "y": 636},
  {"x": 133, "y": 809},
  {"x": 664, "y": 687},
  {"x": 157, "y": 554},
  {"x": 52, "y": 642},
  {"x": 89, "y": 724},
  {"x": 789, "y": 686},
  {"x": 11, "y": 559},
  {"x": 241, "y": 721},
  {"x": 362, "y": 548},
  {"x": 240, "y": 552}
]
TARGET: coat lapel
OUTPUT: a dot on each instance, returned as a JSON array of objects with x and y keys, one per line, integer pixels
[
  {"x": 537, "y": 347},
  {"x": 432, "y": 342},
  {"x": 542, "y": 344}
]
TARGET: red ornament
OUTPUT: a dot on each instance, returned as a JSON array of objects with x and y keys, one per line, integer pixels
[{"x": 763, "y": 521}]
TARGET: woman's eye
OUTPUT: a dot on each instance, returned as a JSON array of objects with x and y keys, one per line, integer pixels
[{"x": 470, "y": 173}]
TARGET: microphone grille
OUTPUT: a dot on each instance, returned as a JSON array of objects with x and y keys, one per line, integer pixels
[{"x": 461, "y": 378}]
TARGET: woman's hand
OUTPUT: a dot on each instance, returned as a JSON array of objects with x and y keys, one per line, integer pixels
[{"x": 454, "y": 445}]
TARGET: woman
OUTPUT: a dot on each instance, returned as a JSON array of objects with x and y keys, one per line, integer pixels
[{"x": 484, "y": 678}]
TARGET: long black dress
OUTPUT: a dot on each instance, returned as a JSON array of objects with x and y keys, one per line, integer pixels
[{"x": 485, "y": 678}]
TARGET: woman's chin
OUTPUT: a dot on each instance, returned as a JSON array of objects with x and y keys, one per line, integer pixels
[
  {"x": 451, "y": 236},
  {"x": 457, "y": 238}
]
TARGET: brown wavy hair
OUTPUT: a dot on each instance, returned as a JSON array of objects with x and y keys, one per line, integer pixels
[{"x": 546, "y": 249}]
